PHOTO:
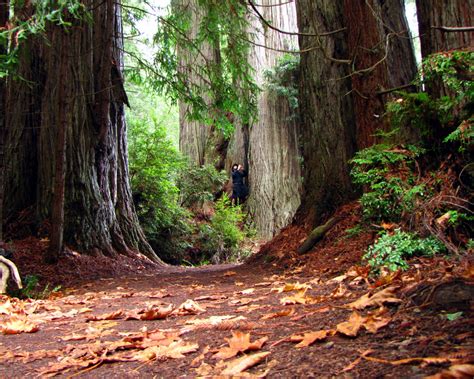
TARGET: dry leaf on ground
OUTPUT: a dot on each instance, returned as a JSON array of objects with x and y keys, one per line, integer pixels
[
  {"x": 108, "y": 316},
  {"x": 379, "y": 298},
  {"x": 309, "y": 338},
  {"x": 17, "y": 325},
  {"x": 287, "y": 287},
  {"x": 351, "y": 327},
  {"x": 299, "y": 298},
  {"x": 241, "y": 364},
  {"x": 189, "y": 307},
  {"x": 154, "y": 313},
  {"x": 282, "y": 313},
  {"x": 239, "y": 343}
]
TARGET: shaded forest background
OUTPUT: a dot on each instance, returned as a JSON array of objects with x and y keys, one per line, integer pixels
[{"x": 321, "y": 101}]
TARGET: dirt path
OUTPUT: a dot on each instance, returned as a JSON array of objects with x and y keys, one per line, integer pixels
[{"x": 218, "y": 320}]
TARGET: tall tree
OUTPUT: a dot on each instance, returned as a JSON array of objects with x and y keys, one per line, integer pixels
[
  {"x": 99, "y": 216},
  {"x": 382, "y": 58},
  {"x": 4, "y": 8},
  {"x": 274, "y": 157},
  {"x": 327, "y": 116},
  {"x": 436, "y": 17}
]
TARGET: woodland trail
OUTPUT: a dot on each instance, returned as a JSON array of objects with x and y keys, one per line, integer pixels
[{"x": 232, "y": 320}]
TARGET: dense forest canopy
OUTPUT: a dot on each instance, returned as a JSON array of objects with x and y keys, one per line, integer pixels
[{"x": 299, "y": 93}]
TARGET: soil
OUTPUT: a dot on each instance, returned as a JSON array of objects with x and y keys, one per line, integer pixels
[{"x": 92, "y": 328}]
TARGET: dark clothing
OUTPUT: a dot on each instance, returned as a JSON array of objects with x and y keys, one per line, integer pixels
[{"x": 239, "y": 189}]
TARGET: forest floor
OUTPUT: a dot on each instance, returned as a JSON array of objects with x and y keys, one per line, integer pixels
[{"x": 278, "y": 315}]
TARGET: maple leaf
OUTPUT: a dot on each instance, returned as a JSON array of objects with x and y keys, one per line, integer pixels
[
  {"x": 17, "y": 325},
  {"x": 375, "y": 320},
  {"x": 299, "y": 298},
  {"x": 287, "y": 287},
  {"x": 6, "y": 308},
  {"x": 352, "y": 326},
  {"x": 189, "y": 307},
  {"x": 379, "y": 298},
  {"x": 239, "y": 343},
  {"x": 241, "y": 364},
  {"x": 107, "y": 316},
  {"x": 155, "y": 313},
  {"x": 309, "y": 338},
  {"x": 283, "y": 313}
]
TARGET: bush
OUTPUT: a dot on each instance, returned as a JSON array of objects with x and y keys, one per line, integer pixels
[
  {"x": 386, "y": 174},
  {"x": 220, "y": 239},
  {"x": 198, "y": 184},
  {"x": 391, "y": 250}
]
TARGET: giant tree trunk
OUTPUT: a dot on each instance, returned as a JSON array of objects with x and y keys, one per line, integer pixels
[
  {"x": 99, "y": 213},
  {"x": 274, "y": 157},
  {"x": 197, "y": 141},
  {"x": 327, "y": 118},
  {"x": 447, "y": 13},
  {"x": 383, "y": 58},
  {"x": 4, "y": 6}
]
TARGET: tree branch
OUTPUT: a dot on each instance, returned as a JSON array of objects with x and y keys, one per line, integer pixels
[{"x": 454, "y": 29}]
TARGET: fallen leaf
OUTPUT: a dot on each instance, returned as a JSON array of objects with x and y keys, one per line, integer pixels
[
  {"x": 6, "y": 308},
  {"x": 239, "y": 343},
  {"x": 155, "y": 313},
  {"x": 351, "y": 327},
  {"x": 465, "y": 371},
  {"x": 17, "y": 325},
  {"x": 299, "y": 298},
  {"x": 287, "y": 287},
  {"x": 108, "y": 316},
  {"x": 309, "y": 338},
  {"x": 283, "y": 313},
  {"x": 189, "y": 307},
  {"x": 379, "y": 298},
  {"x": 376, "y": 320},
  {"x": 239, "y": 365},
  {"x": 230, "y": 273},
  {"x": 210, "y": 297},
  {"x": 247, "y": 291}
]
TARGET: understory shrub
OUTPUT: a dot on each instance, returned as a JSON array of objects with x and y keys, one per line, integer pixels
[
  {"x": 419, "y": 179},
  {"x": 220, "y": 239},
  {"x": 392, "y": 250}
]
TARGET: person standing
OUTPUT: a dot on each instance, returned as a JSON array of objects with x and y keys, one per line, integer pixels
[{"x": 239, "y": 189}]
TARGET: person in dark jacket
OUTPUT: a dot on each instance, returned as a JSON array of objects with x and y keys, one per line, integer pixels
[{"x": 239, "y": 189}]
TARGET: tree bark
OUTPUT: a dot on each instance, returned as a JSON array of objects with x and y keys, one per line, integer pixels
[
  {"x": 4, "y": 7},
  {"x": 449, "y": 13},
  {"x": 327, "y": 117},
  {"x": 99, "y": 216},
  {"x": 274, "y": 157},
  {"x": 57, "y": 212},
  {"x": 379, "y": 45}
]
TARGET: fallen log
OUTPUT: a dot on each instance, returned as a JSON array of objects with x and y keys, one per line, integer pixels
[
  {"x": 317, "y": 234},
  {"x": 6, "y": 265}
]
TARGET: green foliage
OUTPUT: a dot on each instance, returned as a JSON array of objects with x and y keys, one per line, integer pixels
[
  {"x": 220, "y": 239},
  {"x": 392, "y": 250},
  {"x": 446, "y": 118},
  {"x": 31, "y": 289},
  {"x": 211, "y": 73},
  {"x": 198, "y": 184},
  {"x": 20, "y": 29},
  {"x": 386, "y": 172},
  {"x": 155, "y": 165},
  {"x": 282, "y": 78}
]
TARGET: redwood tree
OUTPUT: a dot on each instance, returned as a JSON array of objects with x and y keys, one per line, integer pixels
[
  {"x": 327, "y": 116},
  {"x": 98, "y": 208}
]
